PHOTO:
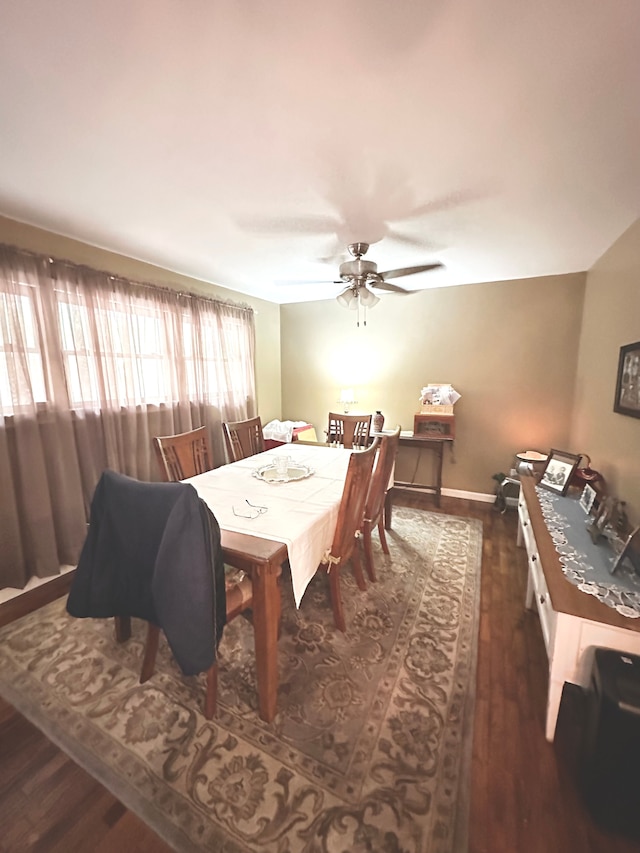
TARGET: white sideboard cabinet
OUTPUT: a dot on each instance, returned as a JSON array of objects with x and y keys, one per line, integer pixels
[{"x": 573, "y": 622}]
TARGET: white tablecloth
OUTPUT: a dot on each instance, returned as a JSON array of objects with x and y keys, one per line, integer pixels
[{"x": 302, "y": 514}]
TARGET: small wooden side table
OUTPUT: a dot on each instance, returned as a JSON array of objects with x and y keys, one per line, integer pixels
[{"x": 436, "y": 445}]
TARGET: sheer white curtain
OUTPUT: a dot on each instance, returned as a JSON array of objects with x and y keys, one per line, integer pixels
[{"x": 91, "y": 368}]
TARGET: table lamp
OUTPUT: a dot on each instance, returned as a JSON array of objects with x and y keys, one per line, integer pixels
[{"x": 346, "y": 399}]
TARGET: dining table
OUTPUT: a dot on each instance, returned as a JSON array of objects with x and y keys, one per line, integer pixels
[{"x": 268, "y": 518}]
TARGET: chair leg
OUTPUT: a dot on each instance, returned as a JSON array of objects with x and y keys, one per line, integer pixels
[
  {"x": 149, "y": 662},
  {"x": 336, "y": 599},
  {"x": 150, "y": 652},
  {"x": 122, "y": 626},
  {"x": 383, "y": 536},
  {"x": 357, "y": 567},
  {"x": 211, "y": 695},
  {"x": 368, "y": 554}
]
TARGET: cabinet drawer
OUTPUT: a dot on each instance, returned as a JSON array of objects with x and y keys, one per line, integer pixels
[
  {"x": 548, "y": 616},
  {"x": 538, "y": 584},
  {"x": 525, "y": 533},
  {"x": 523, "y": 512}
]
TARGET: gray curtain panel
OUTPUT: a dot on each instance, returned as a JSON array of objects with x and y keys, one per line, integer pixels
[{"x": 91, "y": 368}]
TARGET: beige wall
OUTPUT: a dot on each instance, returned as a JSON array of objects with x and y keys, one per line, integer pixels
[
  {"x": 518, "y": 351},
  {"x": 267, "y": 314},
  {"x": 510, "y": 348},
  {"x": 611, "y": 320}
]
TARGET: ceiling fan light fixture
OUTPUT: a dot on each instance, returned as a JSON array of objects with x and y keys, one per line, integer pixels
[
  {"x": 368, "y": 298},
  {"x": 347, "y": 299},
  {"x": 359, "y": 273}
]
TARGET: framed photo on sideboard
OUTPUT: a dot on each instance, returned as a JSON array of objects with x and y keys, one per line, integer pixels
[
  {"x": 630, "y": 551},
  {"x": 559, "y": 471},
  {"x": 587, "y": 498}
]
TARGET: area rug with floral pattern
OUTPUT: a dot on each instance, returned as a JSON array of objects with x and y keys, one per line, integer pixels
[{"x": 370, "y": 748}]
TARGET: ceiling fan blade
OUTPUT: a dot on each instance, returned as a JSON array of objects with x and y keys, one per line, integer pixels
[
  {"x": 387, "y": 285},
  {"x": 334, "y": 253},
  {"x": 409, "y": 271},
  {"x": 406, "y": 239},
  {"x": 300, "y": 283},
  {"x": 417, "y": 242},
  {"x": 290, "y": 225}
]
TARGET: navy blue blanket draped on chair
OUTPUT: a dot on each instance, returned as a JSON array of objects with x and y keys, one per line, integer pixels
[{"x": 153, "y": 551}]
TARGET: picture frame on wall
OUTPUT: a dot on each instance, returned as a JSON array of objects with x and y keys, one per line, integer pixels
[
  {"x": 559, "y": 471},
  {"x": 627, "y": 399}
]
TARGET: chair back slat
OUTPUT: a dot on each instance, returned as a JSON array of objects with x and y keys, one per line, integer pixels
[
  {"x": 354, "y": 495},
  {"x": 349, "y": 430},
  {"x": 381, "y": 476},
  {"x": 243, "y": 438},
  {"x": 183, "y": 455}
]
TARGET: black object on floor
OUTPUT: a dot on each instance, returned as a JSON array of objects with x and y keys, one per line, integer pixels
[{"x": 612, "y": 742}]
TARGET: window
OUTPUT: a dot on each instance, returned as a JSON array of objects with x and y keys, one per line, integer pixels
[
  {"x": 119, "y": 345},
  {"x": 21, "y": 370}
]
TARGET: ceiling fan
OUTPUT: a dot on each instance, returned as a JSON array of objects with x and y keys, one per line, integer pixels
[
  {"x": 362, "y": 278},
  {"x": 361, "y": 272}
]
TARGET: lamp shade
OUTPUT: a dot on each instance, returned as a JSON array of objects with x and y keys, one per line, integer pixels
[
  {"x": 347, "y": 299},
  {"x": 367, "y": 298},
  {"x": 347, "y": 399}
]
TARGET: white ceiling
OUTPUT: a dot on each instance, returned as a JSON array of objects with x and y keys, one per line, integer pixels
[{"x": 241, "y": 142}]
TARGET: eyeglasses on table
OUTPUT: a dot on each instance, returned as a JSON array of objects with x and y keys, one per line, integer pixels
[{"x": 248, "y": 510}]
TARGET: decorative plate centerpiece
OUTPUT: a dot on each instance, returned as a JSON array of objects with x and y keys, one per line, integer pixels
[{"x": 272, "y": 474}]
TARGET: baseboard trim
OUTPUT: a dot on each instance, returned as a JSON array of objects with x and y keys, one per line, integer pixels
[
  {"x": 449, "y": 493},
  {"x": 35, "y": 598},
  {"x": 469, "y": 496}
]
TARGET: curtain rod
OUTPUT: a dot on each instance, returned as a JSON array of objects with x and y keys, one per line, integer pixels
[{"x": 134, "y": 283}]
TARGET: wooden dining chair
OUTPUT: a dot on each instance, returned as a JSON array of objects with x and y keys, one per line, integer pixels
[
  {"x": 243, "y": 438},
  {"x": 349, "y": 430},
  {"x": 153, "y": 551},
  {"x": 239, "y": 598},
  {"x": 374, "y": 506},
  {"x": 183, "y": 455},
  {"x": 348, "y": 527}
]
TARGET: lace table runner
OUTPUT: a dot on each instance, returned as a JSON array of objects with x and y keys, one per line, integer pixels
[{"x": 584, "y": 563}]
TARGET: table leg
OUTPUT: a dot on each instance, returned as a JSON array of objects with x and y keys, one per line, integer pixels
[
  {"x": 388, "y": 508},
  {"x": 436, "y": 445},
  {"x": 266, "y": 620},
  {"x": 439, "y": 454}
]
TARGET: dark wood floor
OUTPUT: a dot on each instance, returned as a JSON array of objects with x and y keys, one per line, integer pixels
[{"x": 525, "y": 792}]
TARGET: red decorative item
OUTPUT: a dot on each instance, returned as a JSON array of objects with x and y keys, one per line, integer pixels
[
  {"x": 378, "y": 421},
  {"x": 587, "y": 475}
]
